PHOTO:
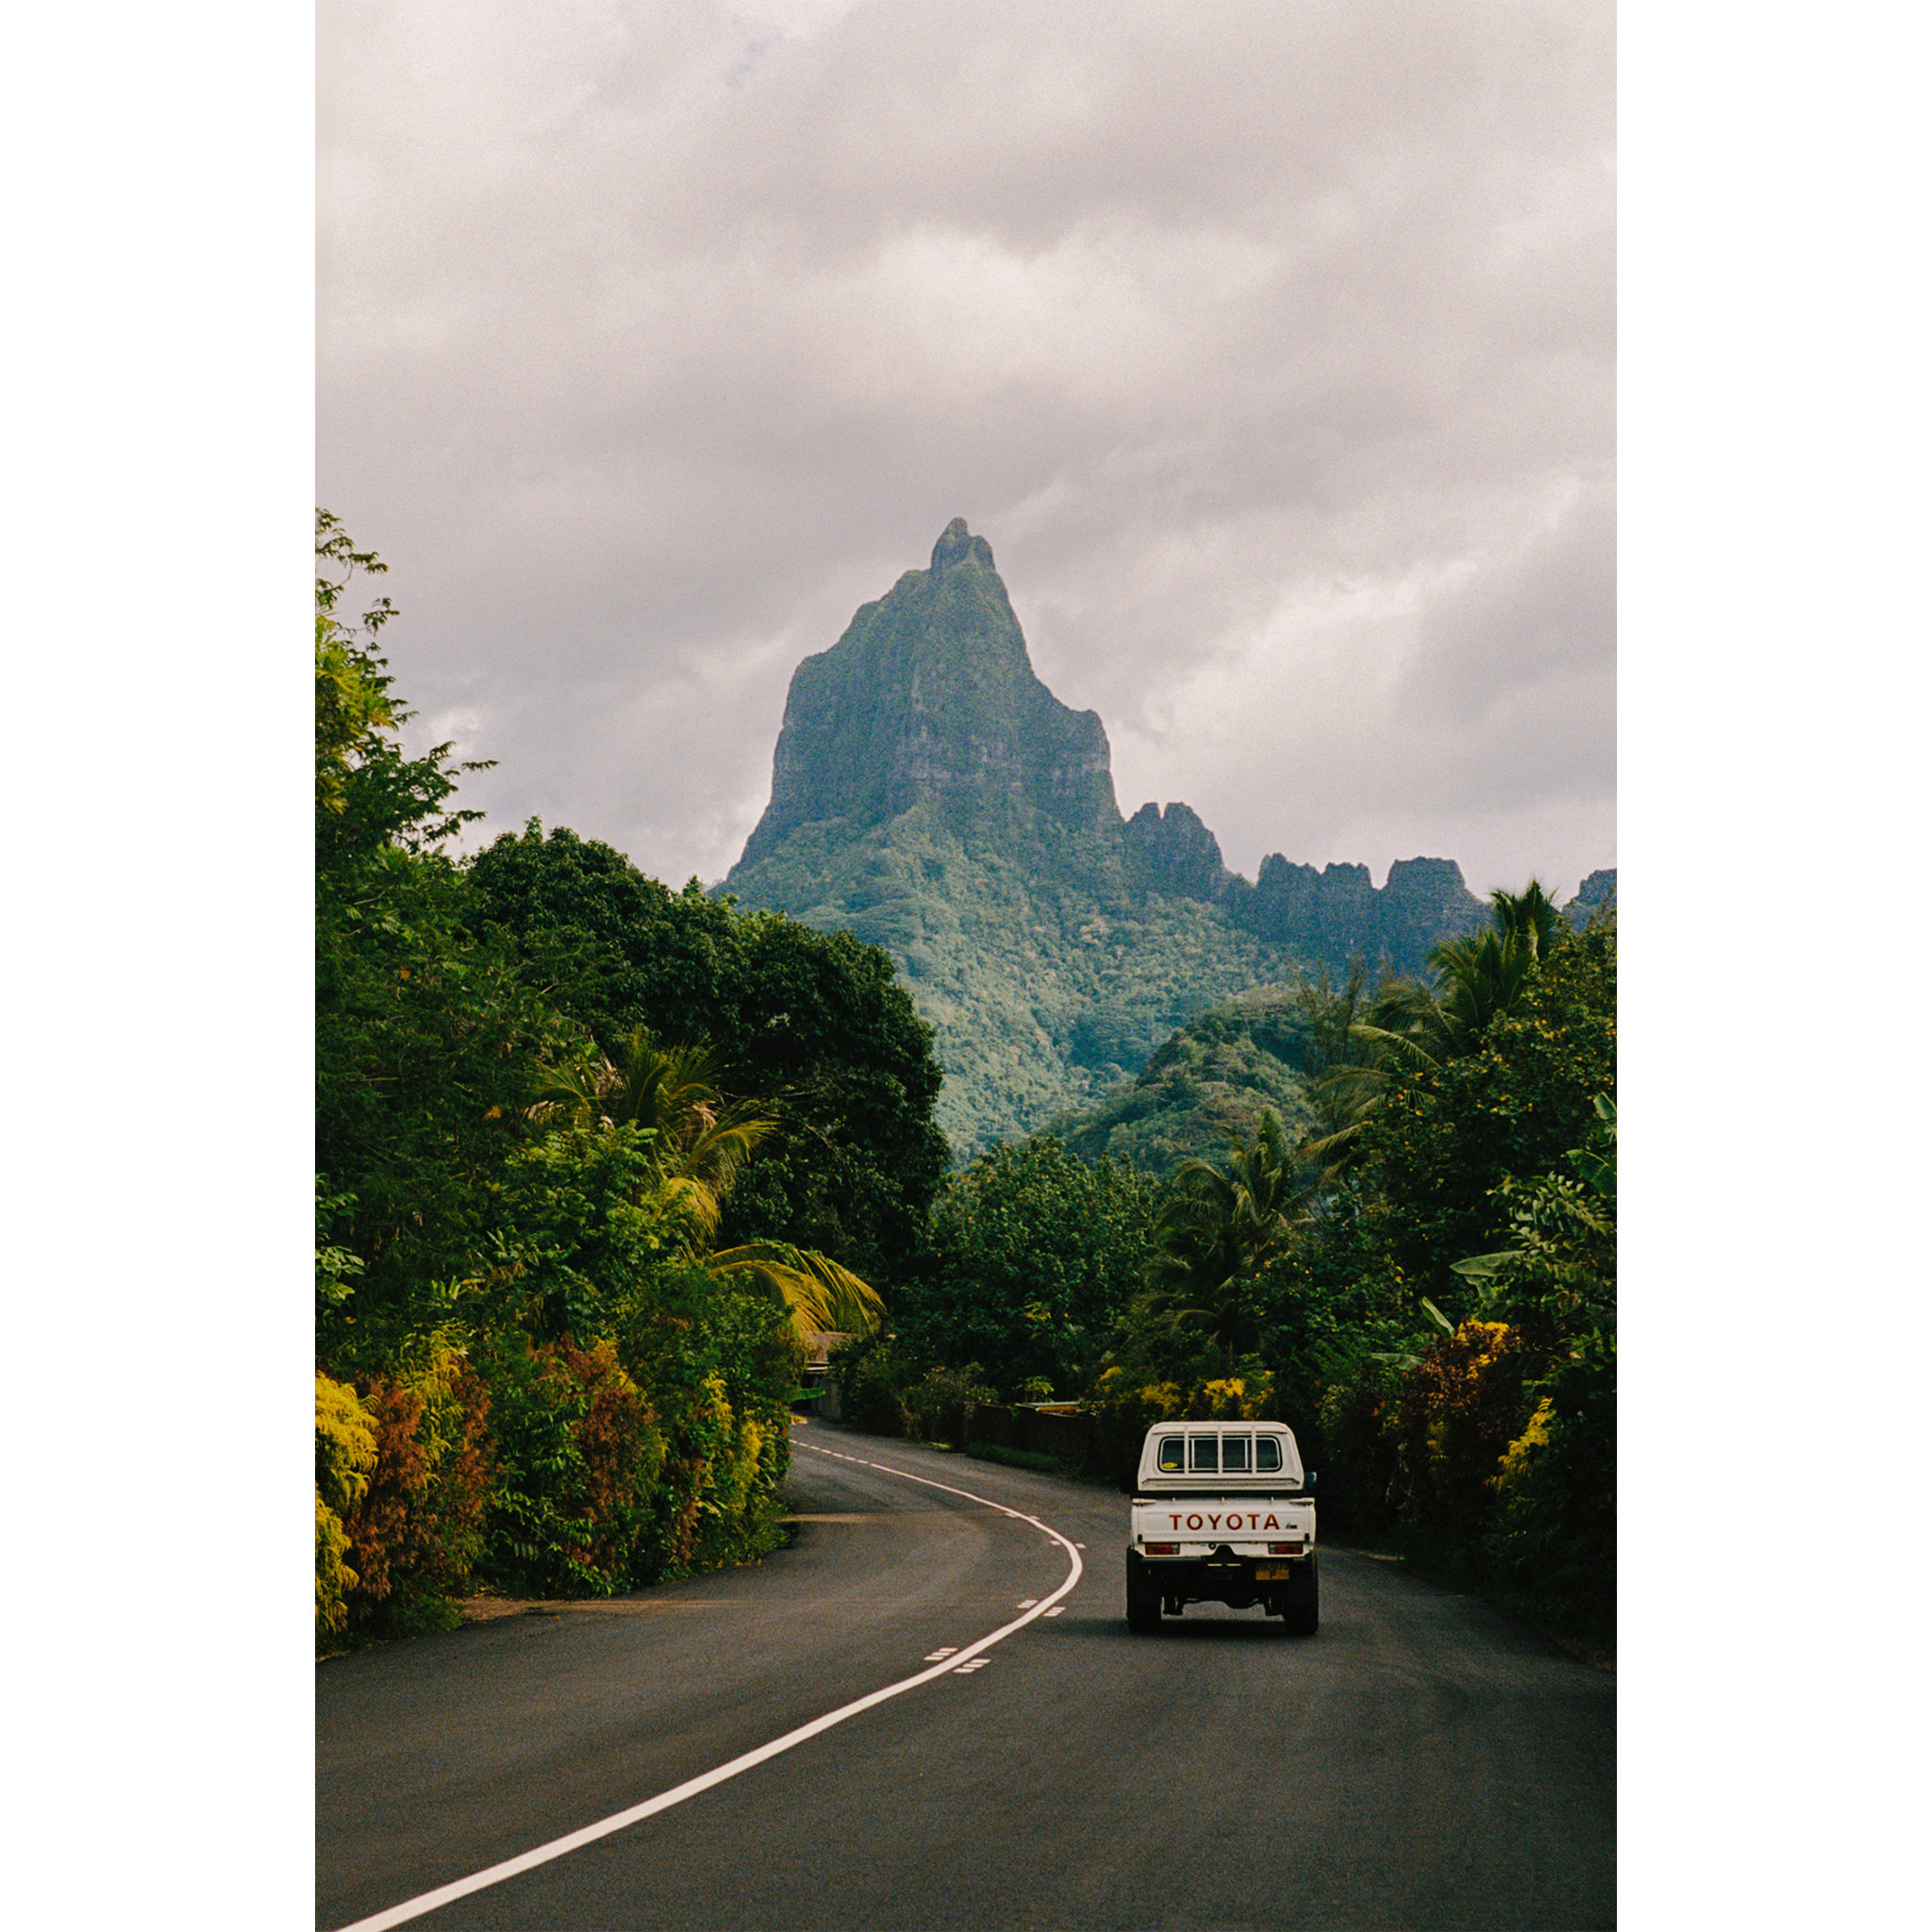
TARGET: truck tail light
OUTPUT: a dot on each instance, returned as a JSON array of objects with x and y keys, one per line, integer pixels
[
  {"x": 1282, "y": 1549},
  {"x": 1164, "y": 1549}
]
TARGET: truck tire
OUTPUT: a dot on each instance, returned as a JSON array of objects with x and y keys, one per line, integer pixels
[
  {"x": 1302, "y": 1611},
  {"x": 1142, "y": 1618}
]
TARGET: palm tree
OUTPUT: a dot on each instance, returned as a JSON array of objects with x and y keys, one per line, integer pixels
[
  {"x": 822, "y": 1295},
  {"x": 700, "y": 1143},
  {"x": 1220, "y": 1232},
  {"x": 1478, "y": 979},
  {"x": 1344, "y": 1068},
  {"x": 1409, "y": 1023}
]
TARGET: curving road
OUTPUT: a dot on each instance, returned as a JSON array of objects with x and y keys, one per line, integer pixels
[{"x": 1423, "y": 1763}]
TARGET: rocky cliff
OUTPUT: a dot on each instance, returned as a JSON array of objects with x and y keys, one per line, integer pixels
[
  {"x": 930, "y": 697},
  {"x": 1338, "y": 914}
]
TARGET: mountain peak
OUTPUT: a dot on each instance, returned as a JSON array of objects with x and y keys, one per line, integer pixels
[
  {"x": 930, "y": 696},
  {"x": 958, "y": 544}
]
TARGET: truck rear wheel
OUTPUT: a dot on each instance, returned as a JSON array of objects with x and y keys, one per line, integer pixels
[
  {"x": 1142, "y": 1618},
  {"x": 1302, "y": 1610}
]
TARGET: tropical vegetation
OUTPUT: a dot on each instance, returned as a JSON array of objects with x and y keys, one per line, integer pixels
[
  {"x": 596, "y": 1159},
  {"x": 1416, "y": 1269},
  {"x": 592, "y": 1159}
]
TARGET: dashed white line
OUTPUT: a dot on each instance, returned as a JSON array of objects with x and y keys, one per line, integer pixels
[{"x": 589, "y": 1834}]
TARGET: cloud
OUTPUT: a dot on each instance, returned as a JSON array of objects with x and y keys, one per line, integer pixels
[{"x": 1270, "y": 346}]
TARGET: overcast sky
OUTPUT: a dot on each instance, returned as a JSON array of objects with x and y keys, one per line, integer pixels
[{"x": 1269, "y": 343}]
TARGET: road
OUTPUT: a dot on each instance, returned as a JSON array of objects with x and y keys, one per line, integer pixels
[{"x": 1423, "y": 1762}]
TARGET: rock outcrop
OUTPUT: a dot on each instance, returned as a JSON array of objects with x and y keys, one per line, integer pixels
[
  {"x": 930, "y": 696},
  {"x": 1337, "y": 914},
  {"x": 1598, "y": 892},
  {"x": 1174, "y": 852}
]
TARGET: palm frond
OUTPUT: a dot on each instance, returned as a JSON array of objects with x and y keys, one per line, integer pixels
[{"x": 821, "y": 1293}]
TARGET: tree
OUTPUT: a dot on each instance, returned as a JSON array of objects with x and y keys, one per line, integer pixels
[
  {"x": 368, "y": 795},
  {"x": 1478, "y": 978},
  {"x": 1414, "y": 1025},
  {"x": 1445, "y": 1137},
  {"x": 1034, "y": 1255},
  {"x": 426, "y": 1029},
  {"x": 697, "y": 1143},
  {"x": 814, "y": 1024},
  {"x": 1222, "y": 1232},
  {"x": 701, "y": 1141}
]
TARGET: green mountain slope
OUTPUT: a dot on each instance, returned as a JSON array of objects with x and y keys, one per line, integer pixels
[
  {"x": 1043, "y": 992},
  {"x": 1206, "y": 1086}
]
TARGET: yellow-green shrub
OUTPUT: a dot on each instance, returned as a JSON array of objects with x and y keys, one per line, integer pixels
[
  {"x": 345, "y": 1455},
  {"x": 1128, "y": 1400},
  {"x": 1461, "y": 1408}
]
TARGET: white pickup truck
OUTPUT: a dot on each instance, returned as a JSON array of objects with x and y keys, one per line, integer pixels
[{"x": 1222, "y": 1515}]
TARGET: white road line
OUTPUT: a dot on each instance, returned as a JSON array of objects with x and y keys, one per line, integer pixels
[{"x": 589, "y": 1834}]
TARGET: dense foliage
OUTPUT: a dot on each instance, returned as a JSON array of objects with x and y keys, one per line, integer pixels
[
  {"x": 1417, "y": 1270},
  {"x": 546, "y": 1360},
  {"x": 1207, "y": 1085},
  {"x": 1035, "y": 1256},
  {"x": 815, "y": 1022}
]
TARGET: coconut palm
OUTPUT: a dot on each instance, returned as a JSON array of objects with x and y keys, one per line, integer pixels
[
  {"x": 1220, "y": 1233},
  {"x": 1410, "y": 1023},
  {"x": 700, "y": 1142},
  {"x": 822, "y": 1295}
]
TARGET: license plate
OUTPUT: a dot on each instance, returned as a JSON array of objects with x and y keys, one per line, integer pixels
[{"x": 1271, "y": 1572}]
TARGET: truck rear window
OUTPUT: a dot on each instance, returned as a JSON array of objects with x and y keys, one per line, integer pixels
[
  {"x": 1268, "y": 1452},
  {"x": 1234, "y": 1453},
  {"x": 1201, "y": 1452},
  {"x": 1172, "y": 1449}
]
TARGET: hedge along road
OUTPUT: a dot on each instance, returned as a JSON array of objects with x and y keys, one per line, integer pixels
[{"x": 1424, "y": 1761}]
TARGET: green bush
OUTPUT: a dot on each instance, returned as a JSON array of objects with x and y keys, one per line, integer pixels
[
  {"x": 936, "y": 1405},
  {"x": 579, "y": 1459},
  {"x": 1360, "y": 1471},
  {"x": 716, "y": 1368},
  {"x": 1553, "y": 1542},
  {"x": 1460, "y": 1409},
  {"x": 1129, "y": 1399},
  {"x": 872, "y": 1378}
]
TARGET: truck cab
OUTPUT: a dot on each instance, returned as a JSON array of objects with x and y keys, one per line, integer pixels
[{"x": 1222, "y": 1513}]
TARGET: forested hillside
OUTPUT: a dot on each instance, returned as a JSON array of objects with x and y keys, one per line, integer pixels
[{"x": 1208, "y": 1084}]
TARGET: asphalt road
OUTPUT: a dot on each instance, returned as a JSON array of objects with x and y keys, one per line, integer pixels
[{"x": 1423, "y": 1762}]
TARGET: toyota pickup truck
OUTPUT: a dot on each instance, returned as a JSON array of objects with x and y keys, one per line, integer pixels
[{"x": 1222, "y": 1515}]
